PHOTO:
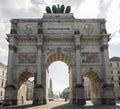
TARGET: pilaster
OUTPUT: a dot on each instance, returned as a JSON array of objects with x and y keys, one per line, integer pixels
[
  {"x": 39, "y": 59},
  {"x": 78, "y": 57}
]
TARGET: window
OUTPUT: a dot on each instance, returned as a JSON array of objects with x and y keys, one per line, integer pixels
[
  {"x": 111, "y": 72},
  {"x": 118, "y": 71},
  {"x": 110, "y": 64},
  {"x": 112, "y": 78},
  {"x": 117, "y": 64},
  {"x": 2, "y": 73},
  {"x": 119, "y": 78},
  {"x": 1, "y": 94},
  {"x": 1, "y": 83}
]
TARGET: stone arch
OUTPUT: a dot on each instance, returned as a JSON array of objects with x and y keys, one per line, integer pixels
[
  {"x": 64, "y": 57},
  {"x": 22, "y": 86},
  {"x": 95, "y": 88},
  {"x": 58, "y": 56}
]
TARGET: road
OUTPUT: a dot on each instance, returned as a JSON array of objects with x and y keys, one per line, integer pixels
[{"x": 60, "y": 104}]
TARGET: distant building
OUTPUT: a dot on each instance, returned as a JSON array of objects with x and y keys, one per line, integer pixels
[
  {"x": 65, "y": 93},
  {"x": 30, "y": 87},
  {"x": 115, "y": 74},
  {"x": 50, "y": 90},
  {"x": 3, "y": 71}
]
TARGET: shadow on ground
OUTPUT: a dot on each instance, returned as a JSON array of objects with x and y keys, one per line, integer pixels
[
  {"x": 71, "y": 106},
  {"x": 19, "y": 107}
]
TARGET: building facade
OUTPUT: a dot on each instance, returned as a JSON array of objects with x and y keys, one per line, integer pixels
[
  {"x": 30, "y": 87},
  {"x": 3, "y": 72},
  {"x": 81, "y": 43},
  {"x": 115, "y": 75}
]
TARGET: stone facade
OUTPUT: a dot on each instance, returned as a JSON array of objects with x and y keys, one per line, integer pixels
[
  {"x": 3, "y": 72},
  {"x": 115, "y": 75},
  {"x": 81, "y": 43}
]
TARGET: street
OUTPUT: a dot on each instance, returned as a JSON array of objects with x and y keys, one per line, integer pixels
[{"x": 61, "y": 104}]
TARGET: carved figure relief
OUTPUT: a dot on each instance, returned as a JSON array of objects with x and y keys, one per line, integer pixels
[
  {"x": 89, "y": 57},
  {"x": 28, "y": 29},
  {"x": 27, "y": 57}
]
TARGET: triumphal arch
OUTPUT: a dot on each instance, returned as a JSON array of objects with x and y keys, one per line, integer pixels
[{"x": 80, "y": 43}]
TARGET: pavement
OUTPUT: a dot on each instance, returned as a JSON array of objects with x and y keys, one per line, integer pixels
[{"x": 61, "y": 104}]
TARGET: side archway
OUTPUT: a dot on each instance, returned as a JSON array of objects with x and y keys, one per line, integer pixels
[
  {"x": 22, "y": 93},
  {"x": 92, "y": 87}
]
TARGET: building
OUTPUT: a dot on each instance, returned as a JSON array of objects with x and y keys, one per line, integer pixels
[
  {"x": 50, "y": 90},
  {"x": 3, "y": 71},
  {"x": 115, "y": 74},
  {"x": 82, "y": 44},
  {"x": 30, "y": 87}
]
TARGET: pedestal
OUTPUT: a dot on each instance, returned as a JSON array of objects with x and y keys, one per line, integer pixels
[
  {"x": 10, "y": 96},
  {"x": 38, "y": 95},
  {"x": 80, "y": 99},
  {"x": 108, "y": 94}
]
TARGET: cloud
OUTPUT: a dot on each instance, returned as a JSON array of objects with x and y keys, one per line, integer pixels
[
  {"x": 74, "y": 4},
  {"x": 19, "y": 8},
  {"x": 87, "y": 9},
  {"x": 104, "y": 6}
]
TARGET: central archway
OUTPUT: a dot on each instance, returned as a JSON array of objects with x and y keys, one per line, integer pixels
[{"x": 63, "y": 57}]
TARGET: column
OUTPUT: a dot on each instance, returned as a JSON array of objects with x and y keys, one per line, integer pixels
[
  {"x": 11, "y": 56},
  {"x": 39, "y": 65},
  {"x": 78, "y": 58},
  {"x": 78, "y": 65},
  {"x": 108, "y": 87},
  {"x": 10, "y": 64},
  {"x": 10, "y": 89},
  {"x": 38, "y": 90},
  {"x": 106, "y": 63},
  {"x": 80, "y": 99}
]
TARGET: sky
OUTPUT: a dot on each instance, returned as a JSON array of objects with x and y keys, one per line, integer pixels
[{"x": 107, "y": 9}]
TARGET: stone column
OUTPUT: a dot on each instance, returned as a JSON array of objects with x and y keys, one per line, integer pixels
[
  {"x": 39, "y": 65},
  {"x": 38, "y": 91},
  {"x": 108, "y": 87},
  {"x": 80, "y": 99},
  {"x": 10, "y": 89}
]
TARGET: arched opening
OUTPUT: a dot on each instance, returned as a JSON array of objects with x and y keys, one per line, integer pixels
[
  {"x": 59, "y": 71},
  {"x": 58, "y": 80},
  {"x": 92, "y": 88},
  {"x": 25, "y": 87}
]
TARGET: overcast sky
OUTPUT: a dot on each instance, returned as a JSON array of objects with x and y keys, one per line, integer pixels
[{"x": 108, "y": 9}]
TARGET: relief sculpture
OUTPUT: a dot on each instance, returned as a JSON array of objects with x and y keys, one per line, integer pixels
[
  {"x": 27, "y": 57},
  {"x": 90, "y": 57}
]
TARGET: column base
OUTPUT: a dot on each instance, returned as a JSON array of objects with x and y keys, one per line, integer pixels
[
  {"x": 80, "y": 95},
  {"x": 44, "y": 101},
  {"x": 74, "y": 101},
  {"x": 10, "y": 96},
  {"x": 108, "y": 101},
  {"x": 80, "y": 101},
  {"x": 38, "y": 95},
  {"x": 109, "y": 96},
  {"x": 9, "y": 102}
]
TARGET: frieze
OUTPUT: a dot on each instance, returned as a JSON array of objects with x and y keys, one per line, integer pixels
[
  {"x": 90, "y": 57},
  {"x": 27, "y": 58},
  {"x": 57, "y": 40}
]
